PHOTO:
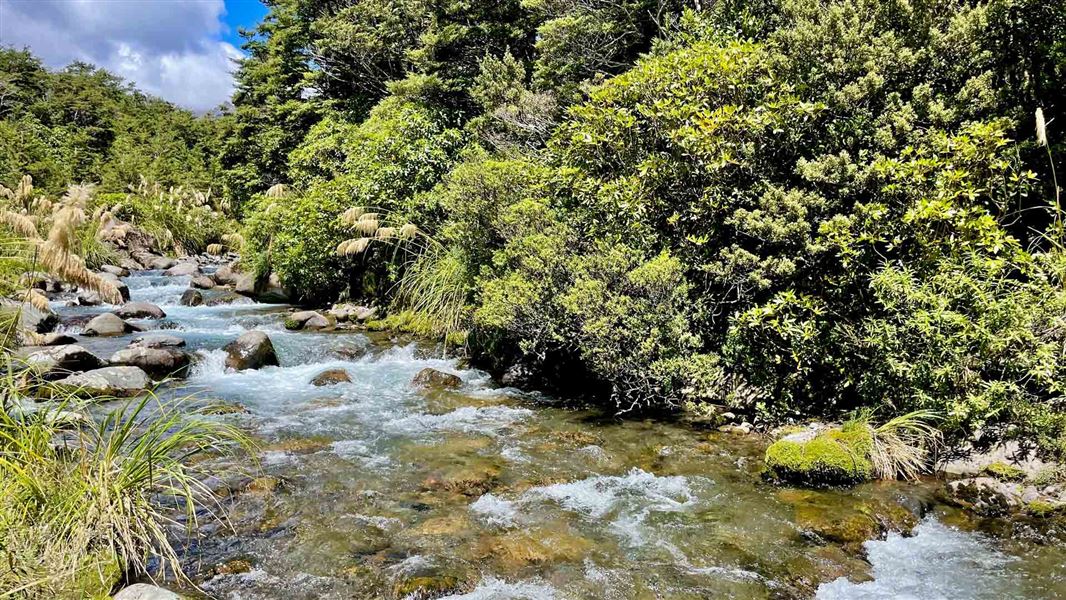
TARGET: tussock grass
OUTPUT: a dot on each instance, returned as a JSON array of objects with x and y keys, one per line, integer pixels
[{"x": 901, "y": 445}]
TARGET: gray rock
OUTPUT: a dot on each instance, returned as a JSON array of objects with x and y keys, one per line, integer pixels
[
  {"x": 59, "y": 361},
  {"x": 273, "y": 292},
  {"x": 202, "y": 282},
  {"x": 49, "y": 412},
  {"x": 157, "y": 340},
  {"x": 245, "y": 285},
  {"x": 143, "y": 591},
  {"x": 331, "y": 377},
  {"x": 1007, "y": 453},
  {"x": 89, "y": 299},
  {"x": 119, "y": 382},
  {"x": 432, "y": 378},
  {"x": 227, "y": 298},
  {"x": 140, "y": 310},
  {"x": 226, "y": 275},
  {"x": 159, "y": 363},
  {"x": 55, "y": 339},
  {"x": 162, "y": 263},
  {"x": 32, "y": 318},
  {"x": 131, "y": 264},
  {"x": 191, "y": 297},
  {"x": 108, "y": 324},
  {"x": 307, "y": 319},
  {"x": 114, "y": 270},
  {"x": 251, "y": 350},
  {"x": 362, "y": 313},
  {"x": 182, "y": 269}
]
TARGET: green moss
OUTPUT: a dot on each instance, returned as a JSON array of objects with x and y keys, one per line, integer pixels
[
  {"x": 1004, "y": 472},
  {"x": 417, "y": 324},
  {"x": 835, "y": 456},
  {"x": 99, "y": 574},
  {"x": 1039, "y": 508},
  {"x": 292, "y": 324}
]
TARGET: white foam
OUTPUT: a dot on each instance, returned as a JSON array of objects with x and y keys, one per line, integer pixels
[
  {"x": 598, "y": 496},
  {"x": 496, "y": 589},
  {"x": 494, "y": 510},
  {"x": 937, "y": 562},
  {"x": 489, "y": 420}
]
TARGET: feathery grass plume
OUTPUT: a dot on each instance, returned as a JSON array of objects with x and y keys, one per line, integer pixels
[
  {"x": 385, "y": 233},
  {"x": 234, "y": 241},
  {"x": 353, "y": 214},
  {"x": 353, "y": 247},
  {"x": 20, "y": 224},
  {"x": 366, "y": 225},
  {"x": 408, "y": 231},
  {"x": 215, "y": 249},
  {"x": 36, "y": 299},
  {"x": 901, "y": 445},
  {"x": 1041, "y": 128},
  {"x": 105, "y": 502},
  {"x": 278, "y": 190}
]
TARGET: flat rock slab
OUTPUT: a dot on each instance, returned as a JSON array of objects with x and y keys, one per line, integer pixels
[
  {"x": 118, "y": 382},
  {"x": 157, "y": 340},
  {"x": 139, "y": 310},
  {"x": 108, "y": 324}
]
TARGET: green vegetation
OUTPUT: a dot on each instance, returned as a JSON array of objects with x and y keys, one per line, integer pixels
[{"x": 838, "y": 455}]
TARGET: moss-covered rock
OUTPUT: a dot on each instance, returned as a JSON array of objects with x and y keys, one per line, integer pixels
[
  {"x": 1004, "y": 472},
  {"x": 821, "y": 455}
]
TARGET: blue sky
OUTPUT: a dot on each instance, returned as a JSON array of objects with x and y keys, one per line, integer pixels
[{"x": 181, "y": 50}]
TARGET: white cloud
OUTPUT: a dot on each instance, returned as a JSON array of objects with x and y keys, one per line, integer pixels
[{"x": 169, "y": 48}]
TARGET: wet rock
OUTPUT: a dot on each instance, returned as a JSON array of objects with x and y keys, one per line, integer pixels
[
  {"x": 108, "y": 324},
  {"x": 273, "y": 291},
  {"x": 183, "y": 269},
  {"x": 985, "y": 495},
  {"x": 139, "y": 310},
  {"x": 32, "y": 318},
  {"x": 130, "y": 264},
  {"x": 331, "y": 377},
  {"x": 159, "y": 363},
  {"x": 191, "y": 297},
  {"x": 202, "y": 282},
  {"x": 157, "y": 340},
  {"x": 251, "y": 350},
  {"x": 226, "y": 275},
  {"x": 472, "y": 479},
  {"x": 352, "y": 313},
  {"x": 427, "y": 586},
  {"x": 223, "y": 408},
  {"x": 432, "y": 378},
  {"x": 245, "y": 285},
  {"x": 115, "y": 270},
  {"x": 226, "y": 298},
  {"x": 233, "y": 567},
  {"x": 89, "y": 299},
  {"x": 362, "y": 313},
  {"x": 848, "y": 528},
  {"x": 307, "y": 319},
  {"x": 820, "y": 454},
  {"x": 520, "y": 549},
  {"x": 119, "y": 382},
  {"x": 143, "y": 591},
  {"x": 161, "y": 263},
  {"x": 60, "y": 361},
  {"x": 55, "y": 339},
  {"x": 123, "y": 289},
  {"x": 298, "y": 445}
]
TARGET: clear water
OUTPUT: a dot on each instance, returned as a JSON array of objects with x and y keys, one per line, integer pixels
[{"x": 492, "y": 493}]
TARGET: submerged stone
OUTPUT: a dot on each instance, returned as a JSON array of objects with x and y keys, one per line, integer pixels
[
  {"x": 432, "y": 378},
  {"x": 331, "y": 377},
  {"x": 191, "y": 297},
  {"x": 822, "y": 455}
]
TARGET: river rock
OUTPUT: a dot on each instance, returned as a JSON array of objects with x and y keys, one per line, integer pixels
[
  {"x": 115, "y": 270},
  {"x": 226, "y": 298},
  {"x": 55, "y": 339},
  {"x": 31, "y": 318},
  {"x": 143, "y": 591},
  {"x": 183, "y": 269},
  {"x": 108, "y": 324},
  {"x": 60, "y": 361},
  {"x": 162, "y": 263},
  {"x": 432, "y": 378},
  {"x": 202, "y": 282},
  {"x": 123, "y": 289},
  {"x": 120, "y": 382},
  {"x": 191, "y": 297},
  {"x": 227, "y": 275},
  {"x": 159, "y": 363},
  {"x": 89, "y": 299},
  {"x": 140, "y": 310},
  {"x": 251, "y": 350},
  {"x": 331, "y": 377},
  {"x": 307, "y": 319},
  {"x": 821, "y": 454},
  {"x": 273, "y": 292},
  {"x": 157, "y": 340},
  {"x": 245, "y": 285}
]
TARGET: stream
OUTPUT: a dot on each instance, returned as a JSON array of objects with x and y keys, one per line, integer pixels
[{"x": 377, "y": 489}]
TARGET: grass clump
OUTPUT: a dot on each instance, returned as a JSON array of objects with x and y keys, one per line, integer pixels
[{"x": 80, "y": 507}]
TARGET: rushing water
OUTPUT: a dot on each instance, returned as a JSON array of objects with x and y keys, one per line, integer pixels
[{"x": 372, "y": 489}]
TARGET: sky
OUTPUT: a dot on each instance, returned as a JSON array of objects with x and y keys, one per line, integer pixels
[{"x": 179, "y": 50}]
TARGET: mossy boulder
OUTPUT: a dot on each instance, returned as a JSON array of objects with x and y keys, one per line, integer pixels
[
  {"x": 1004, "y": 472},
  {"x": 822, "y": 455}
]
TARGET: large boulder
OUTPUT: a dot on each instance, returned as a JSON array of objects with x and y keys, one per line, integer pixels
[
  {"x": 331, "y": 377},
  {"x": 115, "y": 270},
  {"x": 245, "y": 285},
  {"x": 820, "y": 454},
  {"x": 123, "y": 289},
  {"x": 183, "y": 269},
  {"x": 140, "y": 310},
  {"x": 59, "y": 361},
  {"x": 191, "y": 297},
  {"x": 202, "y": 282},
  {"x": 432, "y": 378},
  {"x": 307, "y": 319},
  {"x": 32, "y": 318},
  {"x": 88, "y": 299},
  {"x": 162, "y": 263},
  {"x": 226, "y": 275},
  {"x": 119, "y": 382},
  {"x": 143, "y": 591},
  {"x": 157, "y": 340},
  {"x": 159, "y": 363},
  {"x": 108, "y": 324},
  {"x": 251, "y": 350}
]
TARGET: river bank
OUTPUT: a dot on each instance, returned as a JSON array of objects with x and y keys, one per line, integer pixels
[{"x": 377, "y": 487}]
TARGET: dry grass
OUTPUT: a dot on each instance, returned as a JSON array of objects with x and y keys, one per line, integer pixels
[{"x": 902, "y": 445}]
